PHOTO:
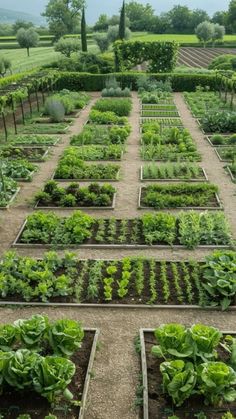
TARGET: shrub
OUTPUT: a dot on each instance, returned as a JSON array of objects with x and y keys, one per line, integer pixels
[
  {"x": 223, "y": 62},
  {"x": 102, "y": 41},
  {"x": 67, "y": 46},
  {"x": 121, "y": 107},
  {"x": 55, "y": 109}
]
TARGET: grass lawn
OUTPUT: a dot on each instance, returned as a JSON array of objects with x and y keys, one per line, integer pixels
[
  {"x": 141, "y": 36},
  {"x": 38, "y": 57}
]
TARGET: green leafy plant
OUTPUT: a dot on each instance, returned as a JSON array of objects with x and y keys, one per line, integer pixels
[{"x": 65, "y": 337}]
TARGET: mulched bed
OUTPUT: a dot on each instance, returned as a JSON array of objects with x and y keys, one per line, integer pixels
[
  {"x": 14, "y": 404},
  {"x": 160, "y": 406}
]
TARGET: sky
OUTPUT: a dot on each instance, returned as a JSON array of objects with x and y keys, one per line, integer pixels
[{"x": 96, "y": 7}]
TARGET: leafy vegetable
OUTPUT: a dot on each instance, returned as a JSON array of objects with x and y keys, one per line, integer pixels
[{"x": 65, "y": 337}]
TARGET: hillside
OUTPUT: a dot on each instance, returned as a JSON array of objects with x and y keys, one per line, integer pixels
[{"x": 10, "y": 16}]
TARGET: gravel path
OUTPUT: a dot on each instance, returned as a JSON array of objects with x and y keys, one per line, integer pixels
[{"x": 116, "y": 368}]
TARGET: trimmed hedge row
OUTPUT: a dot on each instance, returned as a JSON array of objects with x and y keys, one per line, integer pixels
[{"x": 96, "y": 82}]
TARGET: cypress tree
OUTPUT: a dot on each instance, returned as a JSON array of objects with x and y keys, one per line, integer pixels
[
  {"x": 83, "y": 32},
  {"x": 122, "y": 22}
]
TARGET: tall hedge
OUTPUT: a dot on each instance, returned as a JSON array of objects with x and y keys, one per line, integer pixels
[
  {"x": 83, "y": 32},
  {"x": 161, "y": 56},
  {"x": 96, "y": 82}
]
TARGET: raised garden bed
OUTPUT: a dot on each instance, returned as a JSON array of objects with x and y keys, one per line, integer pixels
[
  {"x": 112, "y": 152},
  {"x": 198, "y": 196},
  {"x": 161, "y": 230},
  {"x": 201, "y": 103},
  {"x": 73, "y": 372},
  {"x": 219, "y": 140},
  {"x": 171, "y": 172},
  {"x": 105, "y": 135},
  {"x": 153, "y": 113},
  {"x": 232, "y": 172},
  {"x": 158, "y": 404},
  {"x": 164, "y": 122},
  {"x": 226, "y": 154},
  {"x": 74, "y": 196},
  {"x": 59, "y": 128},
  {"x": 34, "y": 154},
  {"x": 19, "y": 170},
  {"x": 37, "y": 140},
  {"x": 168, "y": 153},
  {"x": 158, "y": 106},
  {"x": 134, "y": 281},
  {"x": 9, "y": 196},
  {"x": 81, "y": 171}
]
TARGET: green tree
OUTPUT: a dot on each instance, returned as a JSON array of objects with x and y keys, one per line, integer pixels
[
  {"x": 122, "y": 22},
  {"x": 102, "y": 23},
  {"x": 197, "y": 16},
  {"x": 113, "y": 33},
  {"x": 219, "y": 33},
  {"x": 180, "y": 18},
  {"x": 102, "y": 41},
  {"x": 63, "y": 16},
  {"x": 83, "y": 32},
  {"x": 27, "y": 38},
  {"x": 220, "y": 17},
  {"x": 232, "y": 15},
  {"x": 140, "y": 16},
  {"x": 5, "y": 66},
  {"x": 204, "y": 32},
  {"x": 67, "y": 45},
  {"x": 21, "y": 24}
]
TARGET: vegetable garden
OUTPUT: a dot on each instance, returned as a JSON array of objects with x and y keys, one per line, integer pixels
[{"x": 120, "y": 217}]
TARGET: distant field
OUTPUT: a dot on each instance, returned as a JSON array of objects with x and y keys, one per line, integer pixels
[{"x": 178, "y": 38}]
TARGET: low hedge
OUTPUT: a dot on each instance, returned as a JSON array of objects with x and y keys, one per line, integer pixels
[{"x": 96, "y": 82}]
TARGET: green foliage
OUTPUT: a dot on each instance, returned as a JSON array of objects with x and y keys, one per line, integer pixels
[
  {"x": 179, "y": 380},
  {"x": 96, "y": 134},
  {"x": 179, "y": 195},
  {"x": 191, "y": 365},
  {"x": 223, "y": 62},
  {"x": 48, "y": 227},
  {"x": 220, "y": 278},
  {"x": 73, "y": 80},
  {"x": 162, "y": 56},
  {"x": 8, "y": 188},
  {"x": 221, "y": 121},
  {"x": 32, "y": 331},
  {"x": 18, "y": 169},
  {"x": 186, "y": 171},
  {"x": 83, "y": 32},
  {"x": 217, "y": 382},
  {"x": 27, "y": 38},
  {"x": 55, "y": 109},
  {"x": 51, "y": 376},
  {"x": 67, "y": 46},
  {"x": 75, "y": 196},
  {"x": 5, "y": 66},
  {"x": 65, "y": 337},
  {"x": 106, "y": 118},
  {"x": 122, "y": 24},
  {"x": 121, "y": 107}
]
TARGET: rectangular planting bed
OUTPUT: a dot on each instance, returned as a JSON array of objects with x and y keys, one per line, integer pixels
[
  {"x": 11, "y": 200},
  {"x": 14, "y": 403},
  {"x": 158, "y": 230},
  {"x": 232, "y": 173},
  {"x": 128, "y": 282},
  {"x": 86, "y": 173},
  {"x": 156, "y": 403},
  {"x": 165, "y": 122},
  {"x": 221, "y": 140},
  {"x": 44, "y": 129},
  {"x": 33, "y": 141},
  {"x": 179, "y": 197},
  {"x": 31, "y": 153},
  {"x": 226, "y": 154},
  {"x": 159, "y": 113},
  {"x": 183, "y": 173},
  {"x": 53, "y": 207}
]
